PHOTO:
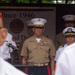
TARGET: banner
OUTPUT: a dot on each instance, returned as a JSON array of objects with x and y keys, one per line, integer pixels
[{"x": 15, "y": 21}]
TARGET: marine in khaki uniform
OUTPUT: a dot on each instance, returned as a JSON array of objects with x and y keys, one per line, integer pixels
[
  {"x": 38, "y": 50},
  {"x": 69, "y": 22}
]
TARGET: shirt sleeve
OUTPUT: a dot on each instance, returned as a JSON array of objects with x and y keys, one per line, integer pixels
[
  {"x": 52, "y": 49},
  {"x": 24, "y": 49}
]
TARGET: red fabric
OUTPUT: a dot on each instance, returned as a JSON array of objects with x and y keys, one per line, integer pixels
[
  {"x": 54, "y": 67},
  {"x": 49, "y": 71},
  {"x": 26, "y": 70},
  {"x": 1, "y": 15}
]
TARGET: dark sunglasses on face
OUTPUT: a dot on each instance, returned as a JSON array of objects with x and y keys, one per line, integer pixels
[
  {"x": 39, "y": 27},
  {"x": 69, "y": 36}
]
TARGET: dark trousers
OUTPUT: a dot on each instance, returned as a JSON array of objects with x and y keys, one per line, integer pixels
[{"x": 43, "y": 70}]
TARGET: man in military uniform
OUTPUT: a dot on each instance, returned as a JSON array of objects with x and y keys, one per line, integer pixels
[
  {"x": 30, "y": 32},
  {"x": 65, "y": 63},
  {"x": 69, "y": 34},
  {"x": 59, "y": 39},
  {"x": 30, "y": 26},
  {"x": 5, "y": 67},
  {"x": 37, "y": 49}
]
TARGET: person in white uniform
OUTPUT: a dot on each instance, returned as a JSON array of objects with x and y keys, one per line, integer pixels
[
  {"x": 5, "y": 51},
  {"x": 5, "y": 67},
  {"x": 69, "y": 33},
  {"x": 66, "y": 62}
]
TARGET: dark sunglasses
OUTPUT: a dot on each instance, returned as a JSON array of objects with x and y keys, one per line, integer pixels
[{"x": 39, "y": 27}]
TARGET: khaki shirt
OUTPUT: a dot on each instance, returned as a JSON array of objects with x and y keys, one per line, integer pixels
[
  {"x": 59, "y": 40},
  {"x": 38, "y": 52}
]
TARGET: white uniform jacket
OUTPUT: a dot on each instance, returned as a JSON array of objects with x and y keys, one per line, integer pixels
[
  {"x": 8, "y": 69},
  {"x": 66, "y": 62},
  {"x": 59, "y": 51},
  {"x": 5, "y": 50}
]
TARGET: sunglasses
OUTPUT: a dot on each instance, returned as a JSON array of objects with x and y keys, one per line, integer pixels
[{"x": 39, "y": 27}]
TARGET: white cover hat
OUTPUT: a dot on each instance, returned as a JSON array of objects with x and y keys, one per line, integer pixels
[
  {"x": 38, "y": 22},
  {"x": 69, "y": 31},
  {"x": 69, "y": 17},
  {"x": 29, "y": 24}
]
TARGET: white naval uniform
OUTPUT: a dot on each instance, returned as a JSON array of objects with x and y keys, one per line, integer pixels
[
  {"x": 8, "y": 69},
  {"x": 5, "y": 50},
  {"x": 66, "y": 62},
  {"x": 59, "y": 51}
]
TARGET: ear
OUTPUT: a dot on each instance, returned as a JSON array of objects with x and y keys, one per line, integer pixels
[
  {"x": 3, "y": 34},
  {"x": 33, "y": 29}
]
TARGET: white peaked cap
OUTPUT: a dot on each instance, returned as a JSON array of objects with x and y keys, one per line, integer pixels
[
  {"x": 69, "y": 30},
  {"x": 69, "y": 17},
  {"x": 38, "y": 21},
  {"x": 29, "y": 23}
]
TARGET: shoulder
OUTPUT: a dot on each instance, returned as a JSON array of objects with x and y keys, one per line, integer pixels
[
  {"x": 29, "y": 39},
  {"x": 60, "y": 48},
  {"x": 47, "y": 39},
  {"x": 9, "y": 36},
  {"x": 58, "y": 35},
  {"x": 70, "y": 48}
]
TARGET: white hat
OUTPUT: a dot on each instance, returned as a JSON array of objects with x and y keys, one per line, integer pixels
[
  {"x": 29, "y": 24},
  {"x": 69, "y": 17},
  {"x": 69, "y": 31},
  {"x": 38, "y": 22}
]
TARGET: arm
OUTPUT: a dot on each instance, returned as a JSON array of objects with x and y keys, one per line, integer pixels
[
  {"x": 24, "y": 53},
  {"x": 52, "y": 54}
]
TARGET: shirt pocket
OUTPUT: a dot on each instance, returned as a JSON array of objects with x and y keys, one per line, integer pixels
[
  {"x": 32, "y": 47},
  {"x": 46, "y": 48}
]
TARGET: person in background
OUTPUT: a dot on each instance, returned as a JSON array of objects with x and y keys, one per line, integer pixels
[
  {"x": 30, "y": 27},
  {"x": 29, "y": 30},
  {"x": 69, "y": 34},
  {"x": 59, "y": 39},
  {"x": 38, "y": 50},
  {"x": 5, "y": 67}
]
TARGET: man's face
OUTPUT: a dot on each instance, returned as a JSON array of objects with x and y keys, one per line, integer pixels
[
  {"x": 38, "y": 31},
  {"x": 30, "y": 31},
  {"x": 69, "y": 24},
  {"x": 70, "y": 39}
]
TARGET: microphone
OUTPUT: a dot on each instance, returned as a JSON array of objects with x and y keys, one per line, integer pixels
[{"x": 12, "y": 46}]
